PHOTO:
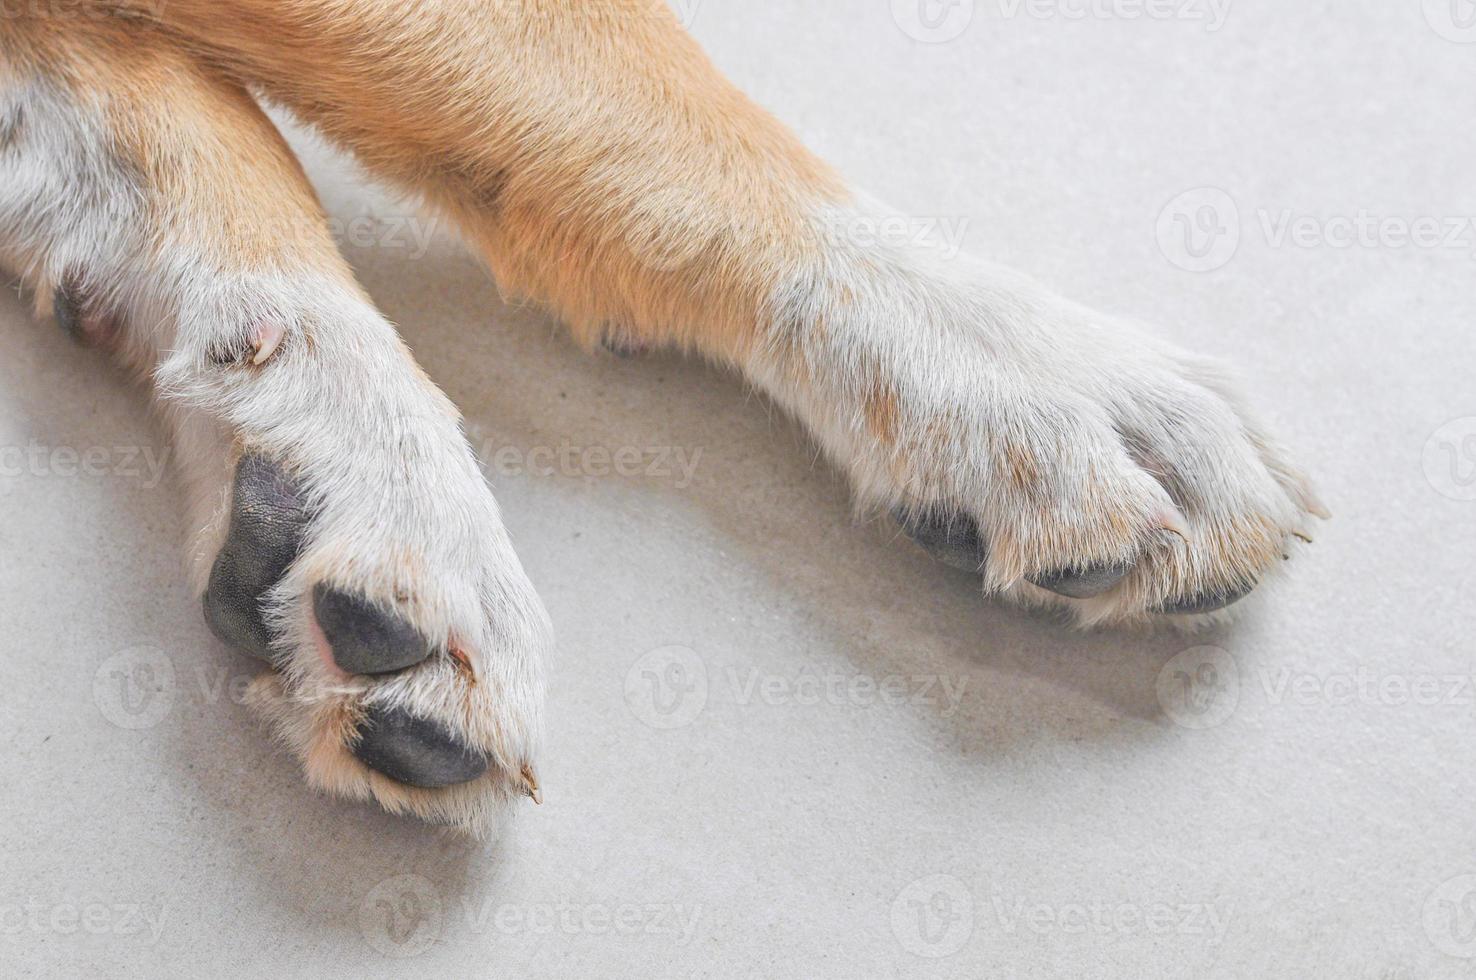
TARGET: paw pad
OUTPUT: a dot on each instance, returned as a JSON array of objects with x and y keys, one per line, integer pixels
[
  {"x": 78, "y": 319},
  {"x": 625, "y": 349},
  {"x": 1206, "y": 603},
  {"x": 269, "y": 522},
  {"x": 415, "y": 751},
  {"x": 1085, "y": 583},
  {"x": 269, "y": 519},
  {"x": 364, "y": 638},
  {"x": 953, "y": 540}
]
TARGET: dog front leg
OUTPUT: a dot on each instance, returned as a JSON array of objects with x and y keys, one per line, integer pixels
[{"x": 603, "y": 166}]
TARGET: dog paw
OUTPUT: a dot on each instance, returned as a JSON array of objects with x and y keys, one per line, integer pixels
[
  {"x": 1068, "y": 459},
  {"x": 404, "y": 640}
]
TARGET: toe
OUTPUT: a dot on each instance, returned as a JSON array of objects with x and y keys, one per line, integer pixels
[
  {"x": 364, "y": 638},
  {"x": 953, "y": 539},
  {"x": 1085, "y": 583},
  {"x": 415, "y": 751},
  {"x": 956, "y": 541},
  {"x": 269, "y": 519}
]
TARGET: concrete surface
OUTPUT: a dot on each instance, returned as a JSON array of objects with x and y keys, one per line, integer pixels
[{"x": 869, "y": 772}]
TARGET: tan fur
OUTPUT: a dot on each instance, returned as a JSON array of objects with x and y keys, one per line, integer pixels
[
  {"x": 593, "y": 153},
  {"x": 882, "y": 411},
  {"x": 199, "y": 144}
]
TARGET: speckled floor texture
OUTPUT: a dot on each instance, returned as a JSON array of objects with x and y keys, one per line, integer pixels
[{"x": 782, "y": 743}]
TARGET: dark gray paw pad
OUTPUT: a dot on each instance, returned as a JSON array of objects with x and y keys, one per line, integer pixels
[
  {"x": 80, "y": 319},
  {"x": 366, "y": 639},
  {"x": 625, "y": 349},
  {"x": 269, "y": 519},
  {"x": 67, "y": 306},
  {"x": 1084, "y": 583},
  {"x": 1207, "y": 603},
  {"x": 415, "y": 751},
  {"x": 954, "y": 540}
]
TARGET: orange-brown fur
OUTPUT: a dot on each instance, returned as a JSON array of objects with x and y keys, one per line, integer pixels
[
  {"x": 551, "y": 132},
  {"x": 210, "y": 168}
]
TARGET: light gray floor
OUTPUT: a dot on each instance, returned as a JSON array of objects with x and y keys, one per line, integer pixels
[{"x": 1019, "y": 801}]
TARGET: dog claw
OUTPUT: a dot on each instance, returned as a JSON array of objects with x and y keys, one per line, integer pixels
[
  {"x": 530, "y": 786},
  {"x": 264, "y": 342},
  {"x": 1173, "y": 522}
]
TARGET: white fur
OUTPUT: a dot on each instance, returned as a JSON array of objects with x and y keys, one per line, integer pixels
[
  {"x": 404, "y": 515},
  {"x": 987, "y": 367}
]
